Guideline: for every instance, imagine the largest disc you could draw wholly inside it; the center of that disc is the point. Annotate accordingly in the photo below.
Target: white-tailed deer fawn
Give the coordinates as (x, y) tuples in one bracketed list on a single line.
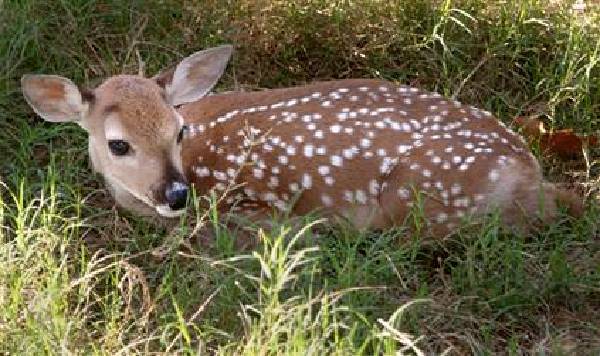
[(369, 150)]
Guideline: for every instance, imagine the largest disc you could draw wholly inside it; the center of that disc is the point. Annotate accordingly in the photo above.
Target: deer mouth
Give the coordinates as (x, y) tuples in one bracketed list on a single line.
[(171, 198), (166, 211), (163, 209)]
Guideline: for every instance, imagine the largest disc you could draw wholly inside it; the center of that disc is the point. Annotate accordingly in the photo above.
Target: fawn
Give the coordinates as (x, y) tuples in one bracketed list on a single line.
[(368, 150)]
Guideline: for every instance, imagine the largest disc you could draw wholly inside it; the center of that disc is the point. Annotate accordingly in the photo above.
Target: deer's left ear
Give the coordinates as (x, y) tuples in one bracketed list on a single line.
[(195, 75)]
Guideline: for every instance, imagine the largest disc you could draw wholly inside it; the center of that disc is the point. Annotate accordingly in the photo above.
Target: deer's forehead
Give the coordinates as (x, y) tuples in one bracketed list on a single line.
[(132, 85), (136, 105)]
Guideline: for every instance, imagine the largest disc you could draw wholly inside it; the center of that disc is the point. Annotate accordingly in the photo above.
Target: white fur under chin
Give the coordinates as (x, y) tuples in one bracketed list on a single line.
[(167, 212)]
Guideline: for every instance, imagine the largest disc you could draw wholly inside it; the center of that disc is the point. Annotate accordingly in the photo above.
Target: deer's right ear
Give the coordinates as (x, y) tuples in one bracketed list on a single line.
[(54, 98), (195, 76)]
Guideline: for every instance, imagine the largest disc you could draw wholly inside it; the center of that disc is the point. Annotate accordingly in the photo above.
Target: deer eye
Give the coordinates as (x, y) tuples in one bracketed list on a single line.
[(118, 147)]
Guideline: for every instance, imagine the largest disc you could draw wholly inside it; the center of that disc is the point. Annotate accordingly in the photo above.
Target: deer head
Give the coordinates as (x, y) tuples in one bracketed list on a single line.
[(133, 127)]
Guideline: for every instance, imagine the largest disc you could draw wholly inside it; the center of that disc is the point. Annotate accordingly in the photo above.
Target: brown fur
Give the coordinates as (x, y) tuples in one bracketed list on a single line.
[(369, 150), (53, 90), (148, 124), (133, 127), (520, 180), (142, 109)]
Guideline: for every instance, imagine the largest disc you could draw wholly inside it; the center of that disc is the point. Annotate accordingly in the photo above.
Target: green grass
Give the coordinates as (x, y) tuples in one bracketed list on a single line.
[(79, 276)]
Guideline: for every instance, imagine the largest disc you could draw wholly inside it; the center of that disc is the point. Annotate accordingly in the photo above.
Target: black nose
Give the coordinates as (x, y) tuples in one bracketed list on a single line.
[(176, 194)]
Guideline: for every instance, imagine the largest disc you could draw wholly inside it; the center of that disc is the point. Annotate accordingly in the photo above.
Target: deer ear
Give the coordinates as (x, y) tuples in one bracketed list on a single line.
[(54, 98), (195, 75)]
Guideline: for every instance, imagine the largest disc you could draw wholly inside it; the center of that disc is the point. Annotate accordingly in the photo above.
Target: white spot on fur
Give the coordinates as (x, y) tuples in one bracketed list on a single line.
[(494, 175), (202, 172), (361, 197), (336, 160), (306, 181), (327, 200), (403, 193), (324, 170)]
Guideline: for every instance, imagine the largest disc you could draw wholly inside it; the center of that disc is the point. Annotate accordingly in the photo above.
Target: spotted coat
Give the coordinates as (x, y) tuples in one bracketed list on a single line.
[(369, 150)]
